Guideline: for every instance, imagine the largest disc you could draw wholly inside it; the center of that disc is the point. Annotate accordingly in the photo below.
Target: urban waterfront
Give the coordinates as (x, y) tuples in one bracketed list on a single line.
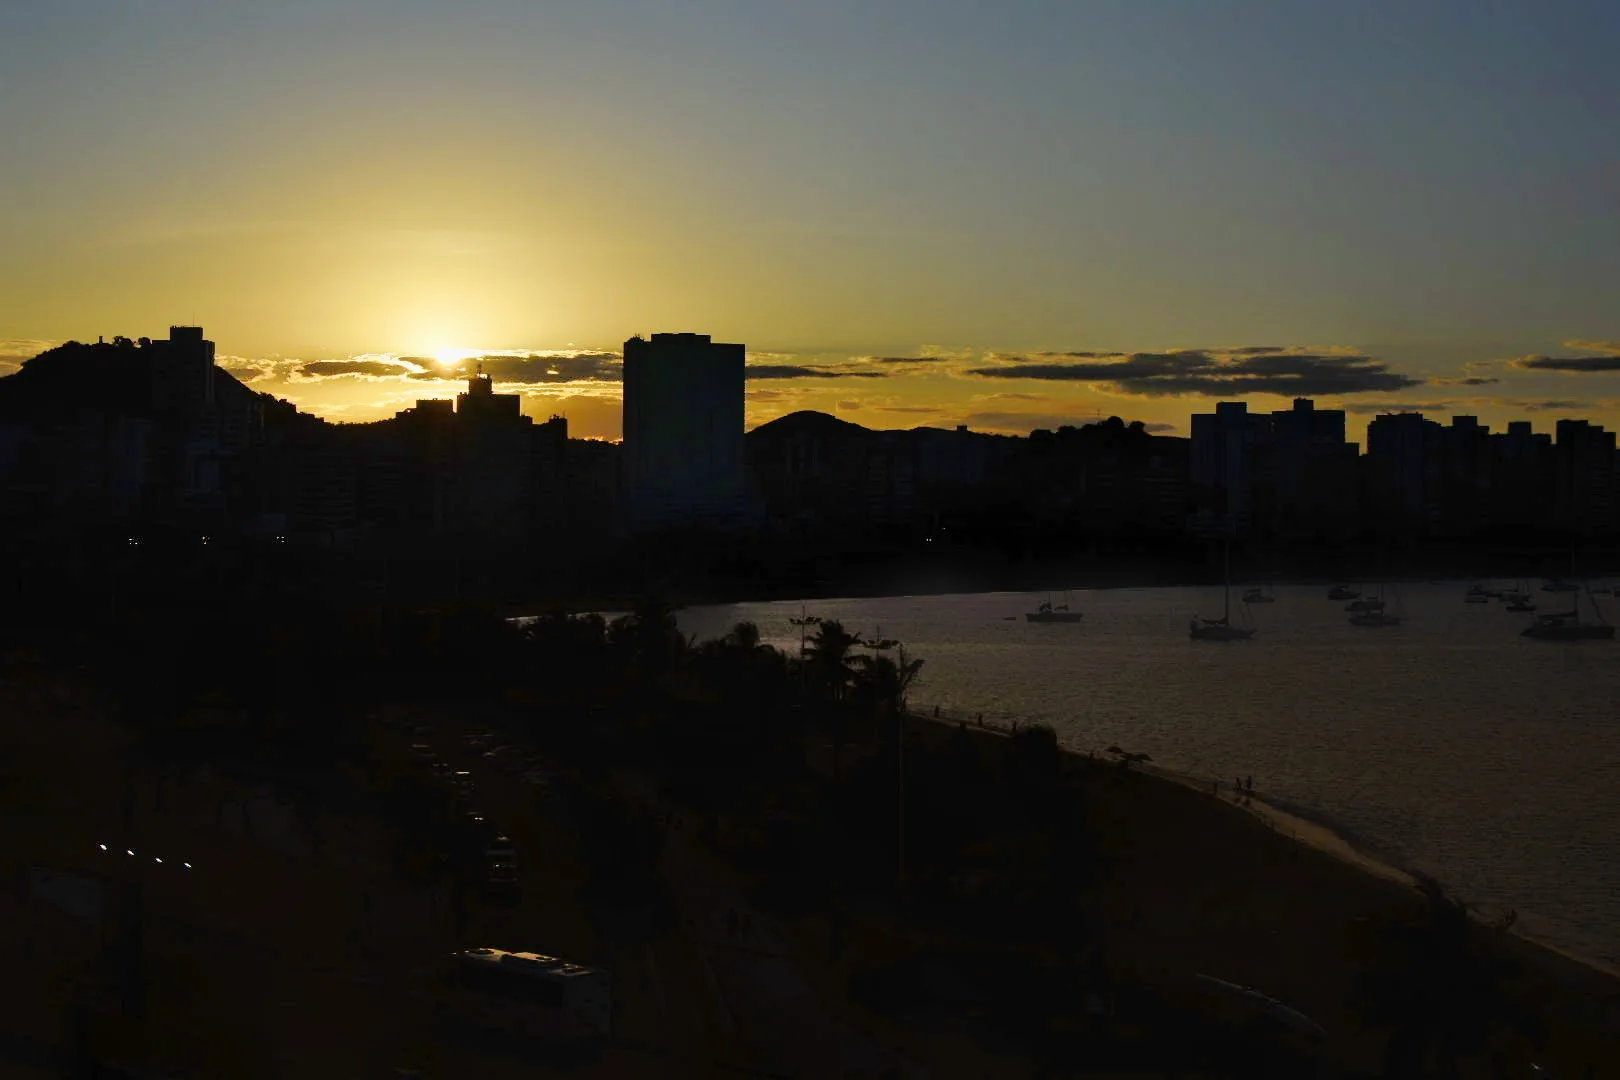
[(1449, 744)]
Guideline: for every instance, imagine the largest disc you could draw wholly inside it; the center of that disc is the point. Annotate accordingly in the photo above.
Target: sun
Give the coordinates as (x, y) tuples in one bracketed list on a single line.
[(449, 358)]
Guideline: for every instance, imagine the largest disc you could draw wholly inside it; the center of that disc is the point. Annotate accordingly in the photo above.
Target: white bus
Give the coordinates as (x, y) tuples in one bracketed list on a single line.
[(528, 994)]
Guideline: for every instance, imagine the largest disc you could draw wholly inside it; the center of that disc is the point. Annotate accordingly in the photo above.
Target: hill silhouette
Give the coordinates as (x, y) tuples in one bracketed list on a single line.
[(120, 377)]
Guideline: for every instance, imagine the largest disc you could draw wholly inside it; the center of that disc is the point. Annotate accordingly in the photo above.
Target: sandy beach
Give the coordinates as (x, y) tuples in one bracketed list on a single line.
[(1200, 883)]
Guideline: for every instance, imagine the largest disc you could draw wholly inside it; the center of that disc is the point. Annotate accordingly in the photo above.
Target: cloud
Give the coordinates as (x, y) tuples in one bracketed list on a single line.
[(327, 369), (1465, 380), (1247, 370), (1160, 428), (848, 406), (535, 367), (1011, 395), (907, 408), (1588, 345), (774, 393), (1368, 408), (1459, 405), (1582, 365), (24, 348), (906, 359), (800, 371)]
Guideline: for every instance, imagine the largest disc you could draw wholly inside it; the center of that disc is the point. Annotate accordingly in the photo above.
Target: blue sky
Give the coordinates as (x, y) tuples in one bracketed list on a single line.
[(1431, 185)]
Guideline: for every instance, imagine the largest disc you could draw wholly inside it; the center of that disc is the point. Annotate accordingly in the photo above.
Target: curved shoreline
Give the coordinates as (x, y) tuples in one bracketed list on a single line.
[(1309, 832)]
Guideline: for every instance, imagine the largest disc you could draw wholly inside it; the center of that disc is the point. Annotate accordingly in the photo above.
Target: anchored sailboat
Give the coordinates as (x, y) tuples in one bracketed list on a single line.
[(1221, 629), (1374, 614), (1567, 625)]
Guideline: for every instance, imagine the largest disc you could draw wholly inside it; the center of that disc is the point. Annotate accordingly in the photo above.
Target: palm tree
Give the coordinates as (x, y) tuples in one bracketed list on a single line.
[(883, 682), (651, 637), (831, 659), (1443, 989)]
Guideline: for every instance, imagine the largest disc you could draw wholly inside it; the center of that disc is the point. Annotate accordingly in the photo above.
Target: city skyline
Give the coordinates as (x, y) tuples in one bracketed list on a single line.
[(916, 390), (331, 188)]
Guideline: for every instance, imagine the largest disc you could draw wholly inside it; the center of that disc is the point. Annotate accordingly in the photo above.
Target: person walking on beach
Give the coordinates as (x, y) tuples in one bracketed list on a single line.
[(1248, 784)]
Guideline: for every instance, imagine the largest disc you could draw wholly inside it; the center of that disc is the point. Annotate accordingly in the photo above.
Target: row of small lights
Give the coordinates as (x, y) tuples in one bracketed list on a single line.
[(132, 854)]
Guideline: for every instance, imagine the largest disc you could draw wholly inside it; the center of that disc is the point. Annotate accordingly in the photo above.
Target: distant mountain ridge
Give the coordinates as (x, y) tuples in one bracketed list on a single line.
[(119, 377)]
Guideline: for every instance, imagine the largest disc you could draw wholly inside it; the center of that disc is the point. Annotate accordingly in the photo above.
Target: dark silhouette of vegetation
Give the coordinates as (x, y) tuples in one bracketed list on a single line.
[(803, 769), (1442, 989)]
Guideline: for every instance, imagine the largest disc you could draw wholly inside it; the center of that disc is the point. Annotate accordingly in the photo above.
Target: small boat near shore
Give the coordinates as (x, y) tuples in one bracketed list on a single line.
[(1048, 612), (1343, 592)]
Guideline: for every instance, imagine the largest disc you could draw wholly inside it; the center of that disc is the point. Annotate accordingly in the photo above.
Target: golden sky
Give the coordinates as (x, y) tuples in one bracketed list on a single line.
[(1004, 195)]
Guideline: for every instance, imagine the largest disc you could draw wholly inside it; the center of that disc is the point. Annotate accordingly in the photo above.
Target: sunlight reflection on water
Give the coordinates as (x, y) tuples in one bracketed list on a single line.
[(1448, 744)]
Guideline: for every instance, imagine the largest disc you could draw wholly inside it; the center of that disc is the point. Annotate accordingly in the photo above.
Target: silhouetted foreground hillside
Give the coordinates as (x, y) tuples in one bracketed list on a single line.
[(978, 900)]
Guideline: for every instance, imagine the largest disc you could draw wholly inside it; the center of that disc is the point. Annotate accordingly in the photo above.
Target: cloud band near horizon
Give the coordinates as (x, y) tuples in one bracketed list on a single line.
[(1256, 369)]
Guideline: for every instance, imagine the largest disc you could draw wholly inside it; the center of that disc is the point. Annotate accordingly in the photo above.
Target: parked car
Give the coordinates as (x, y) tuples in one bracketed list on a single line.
[(462, 781), (501, 880), (501, 849)]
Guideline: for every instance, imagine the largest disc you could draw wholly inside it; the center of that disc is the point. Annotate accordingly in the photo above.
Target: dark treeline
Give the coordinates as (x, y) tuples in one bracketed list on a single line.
[(803, 771)]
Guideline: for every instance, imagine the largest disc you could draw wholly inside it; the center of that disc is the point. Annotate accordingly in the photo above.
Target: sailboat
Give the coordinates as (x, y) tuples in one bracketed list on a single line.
[(1259, 595), (1374, 614), (1343, 592), (1048, 612), (1221, 629), (1567, 625), (1518, 599)]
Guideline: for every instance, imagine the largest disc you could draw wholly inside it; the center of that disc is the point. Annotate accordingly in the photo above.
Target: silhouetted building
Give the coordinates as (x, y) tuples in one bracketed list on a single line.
[(493, 462), (1314, 480), (1403, 473), (683, 433), (1585, 478), (1467, 469), (1223, 464)]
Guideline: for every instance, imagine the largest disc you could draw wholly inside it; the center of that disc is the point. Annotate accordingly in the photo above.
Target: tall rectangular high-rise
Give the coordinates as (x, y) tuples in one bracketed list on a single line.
[(683, 432)]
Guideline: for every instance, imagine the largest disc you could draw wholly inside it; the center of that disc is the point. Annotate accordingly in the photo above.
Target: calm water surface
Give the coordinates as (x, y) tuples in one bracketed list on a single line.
[(1448, 744)]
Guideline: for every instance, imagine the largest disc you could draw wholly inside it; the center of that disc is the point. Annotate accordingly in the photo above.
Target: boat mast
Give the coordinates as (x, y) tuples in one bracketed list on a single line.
[(1226, 592)]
